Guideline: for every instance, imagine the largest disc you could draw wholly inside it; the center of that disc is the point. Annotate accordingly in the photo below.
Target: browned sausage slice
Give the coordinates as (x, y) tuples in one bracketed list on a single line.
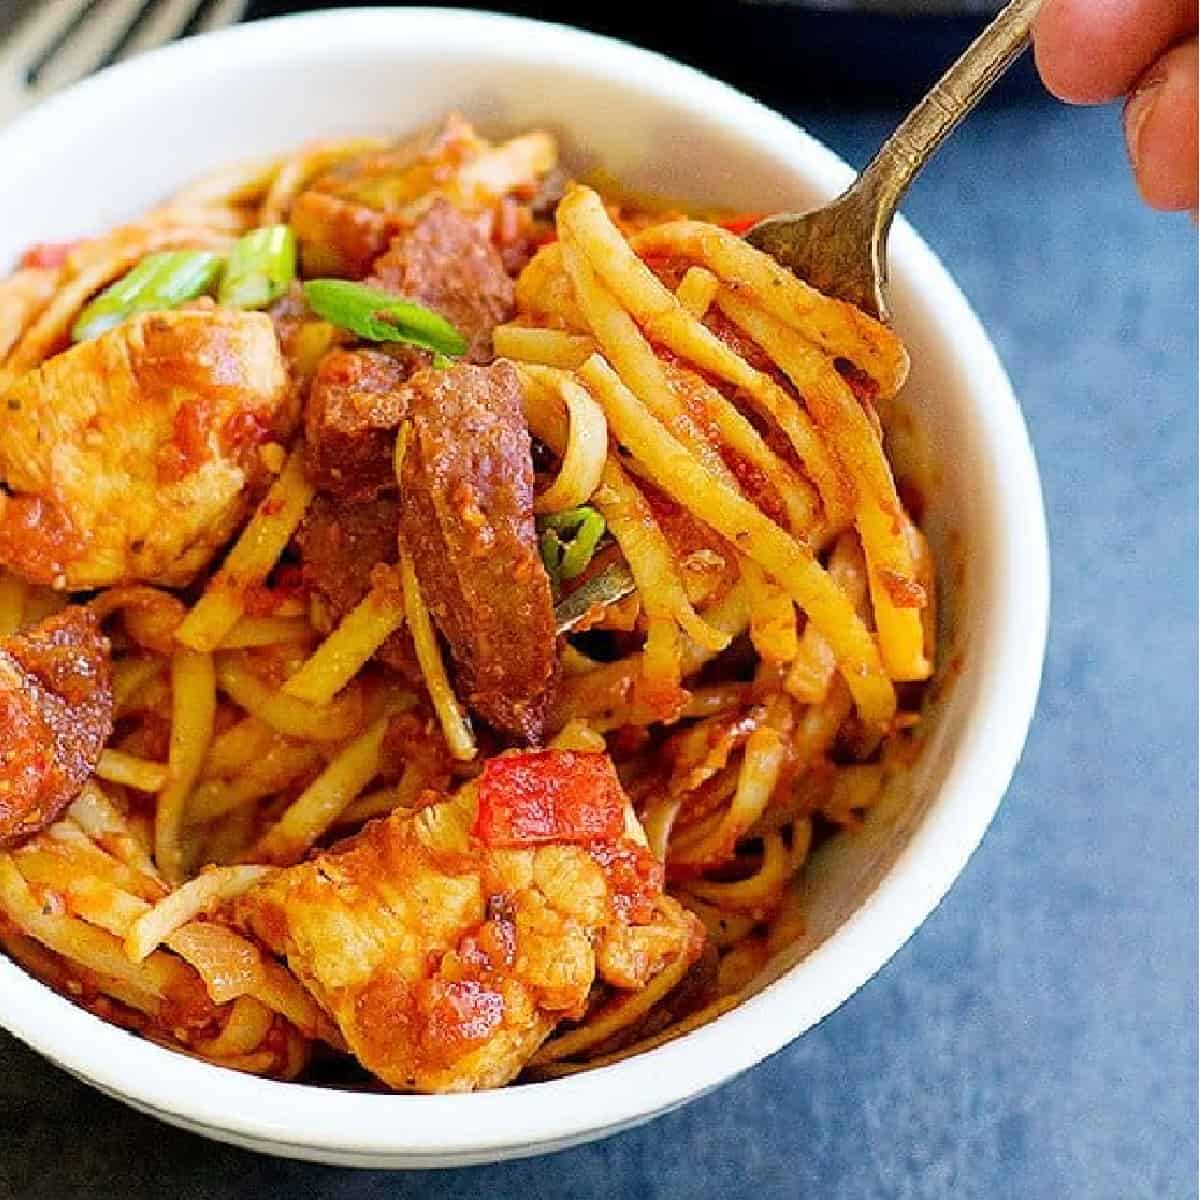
[(55, 716), (448, 263), (445, 262), (342, 543), (354, 409), (467, 518)]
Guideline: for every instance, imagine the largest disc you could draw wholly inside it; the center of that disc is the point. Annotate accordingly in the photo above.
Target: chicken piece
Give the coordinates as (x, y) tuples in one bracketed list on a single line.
[(55, 716), (341, 543), (354, 408), (128, 458), (446, 962), (467, 519), (447, 262)]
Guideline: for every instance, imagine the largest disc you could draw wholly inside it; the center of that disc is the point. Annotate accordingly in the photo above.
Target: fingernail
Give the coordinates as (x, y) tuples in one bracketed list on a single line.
[(1137, 109)]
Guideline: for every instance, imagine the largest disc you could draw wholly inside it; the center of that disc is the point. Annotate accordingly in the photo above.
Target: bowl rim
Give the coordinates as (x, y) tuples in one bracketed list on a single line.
[(268, 1113)]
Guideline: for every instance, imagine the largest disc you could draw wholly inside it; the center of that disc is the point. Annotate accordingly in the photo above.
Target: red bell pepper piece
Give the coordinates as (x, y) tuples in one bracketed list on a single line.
[(541, 796), (47, 254), (740, 223)]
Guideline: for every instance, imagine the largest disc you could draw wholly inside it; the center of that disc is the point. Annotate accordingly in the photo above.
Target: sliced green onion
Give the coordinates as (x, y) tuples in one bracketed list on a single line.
[(551, 550), (261, 266), (382, 317), (159, 281), (568, 541)]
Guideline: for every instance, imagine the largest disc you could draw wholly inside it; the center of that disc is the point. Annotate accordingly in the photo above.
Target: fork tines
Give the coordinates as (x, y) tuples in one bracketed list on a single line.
[(62, 41)]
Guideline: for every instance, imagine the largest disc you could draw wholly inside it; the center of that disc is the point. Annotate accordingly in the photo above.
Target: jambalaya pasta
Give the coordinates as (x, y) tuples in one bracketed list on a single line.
[(299, 773)]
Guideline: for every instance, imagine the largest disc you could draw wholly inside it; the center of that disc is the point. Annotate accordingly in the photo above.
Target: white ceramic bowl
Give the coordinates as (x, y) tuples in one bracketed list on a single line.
[(120, 141)]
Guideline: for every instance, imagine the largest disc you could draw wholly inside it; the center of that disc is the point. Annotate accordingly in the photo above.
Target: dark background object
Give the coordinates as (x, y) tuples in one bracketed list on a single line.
[(783, 53)]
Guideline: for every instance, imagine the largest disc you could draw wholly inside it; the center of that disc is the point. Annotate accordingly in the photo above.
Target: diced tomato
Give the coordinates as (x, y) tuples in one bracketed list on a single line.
[(541, 796), (47, 254), (245, 430), (38, 538), (188, 449), (457, 1016), (635, 879), (740, 223)]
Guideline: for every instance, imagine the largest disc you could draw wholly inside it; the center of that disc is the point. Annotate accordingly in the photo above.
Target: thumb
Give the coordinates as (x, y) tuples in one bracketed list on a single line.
[(1161, 129)]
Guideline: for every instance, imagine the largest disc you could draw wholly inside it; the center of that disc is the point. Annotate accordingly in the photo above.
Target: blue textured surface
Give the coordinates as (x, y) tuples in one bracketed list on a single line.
[(1037, 1038)]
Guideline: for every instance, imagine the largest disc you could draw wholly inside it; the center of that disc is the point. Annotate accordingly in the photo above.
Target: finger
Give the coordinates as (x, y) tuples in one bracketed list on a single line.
[(1092, 51), (1161, 129)]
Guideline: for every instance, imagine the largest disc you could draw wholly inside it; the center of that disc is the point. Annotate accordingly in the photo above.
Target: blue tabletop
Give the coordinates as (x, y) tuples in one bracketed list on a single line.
[(1037, 1037)]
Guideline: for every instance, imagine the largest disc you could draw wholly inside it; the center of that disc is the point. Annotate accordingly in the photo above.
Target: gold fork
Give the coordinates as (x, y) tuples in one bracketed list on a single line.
[(841, 249)]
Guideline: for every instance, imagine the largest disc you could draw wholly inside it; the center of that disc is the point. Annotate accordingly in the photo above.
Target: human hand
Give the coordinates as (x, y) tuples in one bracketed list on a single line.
[(1094, 51)]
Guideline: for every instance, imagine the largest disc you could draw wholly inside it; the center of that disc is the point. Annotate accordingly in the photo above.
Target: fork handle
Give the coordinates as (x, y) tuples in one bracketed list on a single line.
[(885, 180)]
